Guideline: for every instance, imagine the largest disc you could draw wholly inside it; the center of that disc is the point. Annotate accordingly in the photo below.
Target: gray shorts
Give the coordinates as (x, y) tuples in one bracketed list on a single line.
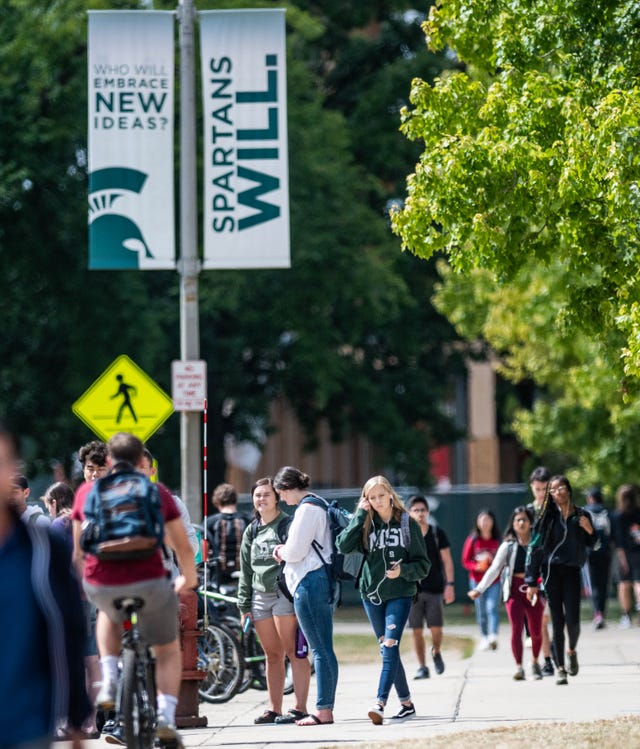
[(157, 619), (427, 607), (268, 605)]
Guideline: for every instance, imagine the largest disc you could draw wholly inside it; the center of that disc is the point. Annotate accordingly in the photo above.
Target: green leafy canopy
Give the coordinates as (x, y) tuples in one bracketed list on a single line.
[(528, 183)]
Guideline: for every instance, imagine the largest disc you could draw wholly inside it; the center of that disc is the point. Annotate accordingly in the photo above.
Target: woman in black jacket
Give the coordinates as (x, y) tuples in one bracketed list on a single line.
[(557, 553)]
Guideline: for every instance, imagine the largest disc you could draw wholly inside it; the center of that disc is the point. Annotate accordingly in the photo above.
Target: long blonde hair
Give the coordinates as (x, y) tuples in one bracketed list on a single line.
[(397, 505)]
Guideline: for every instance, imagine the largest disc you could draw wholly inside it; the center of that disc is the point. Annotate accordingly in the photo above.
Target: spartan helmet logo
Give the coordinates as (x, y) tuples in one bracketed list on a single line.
[(115, 241)]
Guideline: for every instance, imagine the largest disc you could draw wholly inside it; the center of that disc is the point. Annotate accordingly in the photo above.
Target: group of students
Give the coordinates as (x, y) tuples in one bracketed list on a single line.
[(286, 589), (552, 550)]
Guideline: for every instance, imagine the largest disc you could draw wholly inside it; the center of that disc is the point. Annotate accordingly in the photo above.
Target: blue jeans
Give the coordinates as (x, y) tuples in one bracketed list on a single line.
[(388, 621), (313, 607), (487, 608)]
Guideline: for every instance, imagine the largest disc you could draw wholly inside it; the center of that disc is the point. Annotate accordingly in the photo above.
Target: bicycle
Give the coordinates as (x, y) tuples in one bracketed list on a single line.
[(252, 654), (220, 657), (136, 702), (228, 675)]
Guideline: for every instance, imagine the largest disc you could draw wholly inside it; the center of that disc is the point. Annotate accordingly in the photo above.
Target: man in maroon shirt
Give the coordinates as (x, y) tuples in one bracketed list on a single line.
[(105, 581)]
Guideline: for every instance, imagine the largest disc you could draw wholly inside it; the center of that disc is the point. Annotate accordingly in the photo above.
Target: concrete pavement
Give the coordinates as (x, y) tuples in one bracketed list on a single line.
[(472, 694)]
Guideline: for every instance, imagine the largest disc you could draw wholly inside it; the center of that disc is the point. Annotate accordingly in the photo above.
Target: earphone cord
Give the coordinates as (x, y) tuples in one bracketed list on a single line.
[(374, 598)]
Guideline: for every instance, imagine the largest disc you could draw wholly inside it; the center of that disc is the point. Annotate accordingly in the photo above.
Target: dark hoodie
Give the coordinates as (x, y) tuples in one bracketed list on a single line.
[(56, 595), (564, 543)]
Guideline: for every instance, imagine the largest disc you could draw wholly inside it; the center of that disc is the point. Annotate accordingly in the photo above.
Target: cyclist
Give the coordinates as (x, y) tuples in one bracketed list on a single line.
[(107, 581)]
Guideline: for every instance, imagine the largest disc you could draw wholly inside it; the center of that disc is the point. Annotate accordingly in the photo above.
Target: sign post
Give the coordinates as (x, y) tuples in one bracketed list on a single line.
[(189, 264)]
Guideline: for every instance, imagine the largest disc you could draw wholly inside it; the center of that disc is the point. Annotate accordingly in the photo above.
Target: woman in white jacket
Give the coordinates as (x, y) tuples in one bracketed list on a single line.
[(307, 550), (510, 562)]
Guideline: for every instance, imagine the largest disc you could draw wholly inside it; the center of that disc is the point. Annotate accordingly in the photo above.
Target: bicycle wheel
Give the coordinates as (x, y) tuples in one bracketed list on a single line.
[(220, 657), (255, 675), (138, 710)]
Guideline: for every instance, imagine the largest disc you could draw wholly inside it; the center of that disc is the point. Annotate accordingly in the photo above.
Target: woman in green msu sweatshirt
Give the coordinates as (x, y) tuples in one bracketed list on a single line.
[(395, 560), (260, 598)]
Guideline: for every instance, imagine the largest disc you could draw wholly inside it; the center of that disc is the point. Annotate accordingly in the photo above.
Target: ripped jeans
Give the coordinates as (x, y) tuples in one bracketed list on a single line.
[(388, 621)]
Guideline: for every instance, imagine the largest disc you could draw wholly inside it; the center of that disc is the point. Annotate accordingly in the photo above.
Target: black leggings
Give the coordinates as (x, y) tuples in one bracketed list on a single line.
[(563, 592), (599, 566)]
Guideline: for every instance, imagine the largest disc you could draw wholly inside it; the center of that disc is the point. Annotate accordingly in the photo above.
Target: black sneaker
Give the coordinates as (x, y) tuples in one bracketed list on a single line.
[(422, 673), (573, 664), (438, 663), (406, 711), (547, 669)]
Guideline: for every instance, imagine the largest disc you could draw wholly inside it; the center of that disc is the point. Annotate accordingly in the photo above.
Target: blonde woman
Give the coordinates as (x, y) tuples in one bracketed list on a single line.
[(396, 559)]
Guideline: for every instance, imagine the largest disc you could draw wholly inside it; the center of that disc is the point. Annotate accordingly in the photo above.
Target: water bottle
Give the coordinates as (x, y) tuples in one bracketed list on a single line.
[(302, 646)]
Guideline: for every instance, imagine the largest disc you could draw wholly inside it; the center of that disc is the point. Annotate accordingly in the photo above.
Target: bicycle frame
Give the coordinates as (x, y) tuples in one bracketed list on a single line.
[(136, 702), (253, 656)]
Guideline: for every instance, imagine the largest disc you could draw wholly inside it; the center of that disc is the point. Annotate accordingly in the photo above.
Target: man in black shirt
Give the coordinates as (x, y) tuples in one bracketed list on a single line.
[(224, 533), (438, 584)]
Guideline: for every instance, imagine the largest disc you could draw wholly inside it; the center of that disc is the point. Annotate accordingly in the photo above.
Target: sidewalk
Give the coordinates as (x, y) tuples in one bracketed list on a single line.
[(472, 694)]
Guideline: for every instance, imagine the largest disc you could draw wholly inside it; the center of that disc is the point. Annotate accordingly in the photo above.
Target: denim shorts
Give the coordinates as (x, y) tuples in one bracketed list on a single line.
[(268, 605), (157, 619)]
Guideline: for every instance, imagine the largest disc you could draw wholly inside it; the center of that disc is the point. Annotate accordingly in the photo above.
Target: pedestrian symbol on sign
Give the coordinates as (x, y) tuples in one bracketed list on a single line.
[(123, 390)]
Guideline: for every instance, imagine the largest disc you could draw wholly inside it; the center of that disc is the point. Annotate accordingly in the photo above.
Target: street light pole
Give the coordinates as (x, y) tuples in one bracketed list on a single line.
[(189, 264)]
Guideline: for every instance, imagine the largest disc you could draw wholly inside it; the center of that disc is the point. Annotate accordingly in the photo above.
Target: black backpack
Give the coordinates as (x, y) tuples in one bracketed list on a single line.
[(341, 566), (123, 518), (225, 536)]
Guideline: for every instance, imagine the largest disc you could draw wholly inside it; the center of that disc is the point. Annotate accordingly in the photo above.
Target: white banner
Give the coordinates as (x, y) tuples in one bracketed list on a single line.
[(131, 177), (246, 171)]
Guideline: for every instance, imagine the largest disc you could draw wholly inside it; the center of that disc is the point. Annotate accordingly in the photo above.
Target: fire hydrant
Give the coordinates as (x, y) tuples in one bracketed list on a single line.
[(187, 712)]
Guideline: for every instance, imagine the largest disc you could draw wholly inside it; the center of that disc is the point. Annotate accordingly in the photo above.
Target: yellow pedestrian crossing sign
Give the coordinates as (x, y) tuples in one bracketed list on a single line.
[(124, 399)]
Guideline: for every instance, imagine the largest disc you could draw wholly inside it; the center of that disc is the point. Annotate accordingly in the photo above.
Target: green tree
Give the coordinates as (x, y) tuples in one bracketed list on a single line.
[(340, 334), (528, 184)]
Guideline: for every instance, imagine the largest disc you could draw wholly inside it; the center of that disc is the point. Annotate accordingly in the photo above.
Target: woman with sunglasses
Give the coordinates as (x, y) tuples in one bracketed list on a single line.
[(562, 534), (510, 561)]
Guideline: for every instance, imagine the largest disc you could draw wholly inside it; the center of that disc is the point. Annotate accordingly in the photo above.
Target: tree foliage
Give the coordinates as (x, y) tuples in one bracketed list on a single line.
[(528, 183), (346, 334)]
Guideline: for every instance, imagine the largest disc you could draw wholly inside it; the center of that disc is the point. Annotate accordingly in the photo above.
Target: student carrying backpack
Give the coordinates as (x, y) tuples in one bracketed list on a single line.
[(341, 566), (224, 533), (123, 517), (310, 585), (392, 568)]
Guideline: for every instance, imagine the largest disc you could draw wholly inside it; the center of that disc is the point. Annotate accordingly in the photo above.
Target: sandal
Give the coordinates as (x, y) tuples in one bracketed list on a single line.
[(313, 720), (291, 717), (268, 716)]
